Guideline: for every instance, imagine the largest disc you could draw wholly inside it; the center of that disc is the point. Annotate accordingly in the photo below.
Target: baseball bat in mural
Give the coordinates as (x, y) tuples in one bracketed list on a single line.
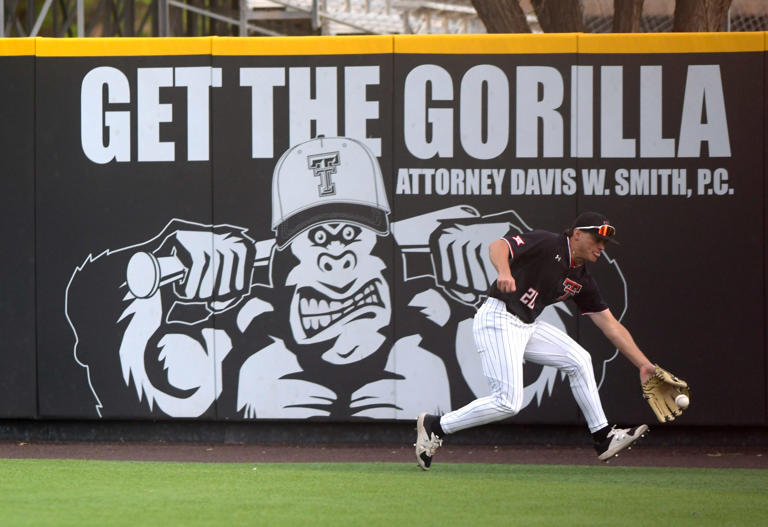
[(146, 273)]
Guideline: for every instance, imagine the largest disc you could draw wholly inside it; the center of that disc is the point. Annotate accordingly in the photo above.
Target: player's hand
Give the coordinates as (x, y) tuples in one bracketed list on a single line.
[(506, 283), (646, 372), (460, 253), (218, 263), (666, 394)]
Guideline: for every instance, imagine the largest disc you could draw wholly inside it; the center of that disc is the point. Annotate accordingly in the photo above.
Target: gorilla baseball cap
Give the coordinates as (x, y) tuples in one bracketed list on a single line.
[(597, 224), (327, 179)]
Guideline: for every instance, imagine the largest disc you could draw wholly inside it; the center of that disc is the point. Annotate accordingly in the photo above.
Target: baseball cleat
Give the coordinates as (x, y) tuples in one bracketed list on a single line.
[(619, 439), (426, 443)]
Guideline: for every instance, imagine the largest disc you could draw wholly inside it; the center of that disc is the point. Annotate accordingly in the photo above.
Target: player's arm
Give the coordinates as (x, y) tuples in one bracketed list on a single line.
[(622, 339), (499, 254)]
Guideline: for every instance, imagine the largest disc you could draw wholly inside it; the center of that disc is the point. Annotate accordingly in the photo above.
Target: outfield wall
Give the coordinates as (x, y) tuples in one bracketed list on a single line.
[(338, 282)]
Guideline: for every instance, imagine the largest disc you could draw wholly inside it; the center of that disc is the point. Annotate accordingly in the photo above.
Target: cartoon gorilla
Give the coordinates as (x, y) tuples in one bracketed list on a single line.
[(203, 321)]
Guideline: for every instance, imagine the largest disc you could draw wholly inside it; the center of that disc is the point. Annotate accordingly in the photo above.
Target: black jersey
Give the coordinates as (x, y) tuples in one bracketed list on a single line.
[(541, 265)]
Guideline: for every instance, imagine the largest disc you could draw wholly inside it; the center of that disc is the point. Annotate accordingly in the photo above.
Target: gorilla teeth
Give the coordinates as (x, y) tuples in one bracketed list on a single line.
[(317, 315)]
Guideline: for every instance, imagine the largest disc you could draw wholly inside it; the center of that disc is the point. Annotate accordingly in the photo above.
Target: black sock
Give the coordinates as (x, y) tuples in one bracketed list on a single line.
[(600, 435), (432, 424)]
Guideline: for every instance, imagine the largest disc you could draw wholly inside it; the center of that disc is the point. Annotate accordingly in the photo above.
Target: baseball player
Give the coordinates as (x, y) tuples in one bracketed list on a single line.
[(536, 269)]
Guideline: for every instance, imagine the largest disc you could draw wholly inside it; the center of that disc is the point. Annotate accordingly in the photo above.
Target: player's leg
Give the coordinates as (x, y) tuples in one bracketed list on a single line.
[(500, 339), (550, 346)]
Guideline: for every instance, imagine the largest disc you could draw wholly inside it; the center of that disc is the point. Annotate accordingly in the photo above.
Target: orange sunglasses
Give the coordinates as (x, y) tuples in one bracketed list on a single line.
[(606, 231)]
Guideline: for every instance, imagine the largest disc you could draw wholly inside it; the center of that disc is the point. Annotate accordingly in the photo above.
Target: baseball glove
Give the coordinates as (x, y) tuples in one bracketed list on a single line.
[(660, 392)]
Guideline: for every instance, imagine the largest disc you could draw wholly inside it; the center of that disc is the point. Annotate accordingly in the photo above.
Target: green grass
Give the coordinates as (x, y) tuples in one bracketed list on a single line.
[(68, 492)]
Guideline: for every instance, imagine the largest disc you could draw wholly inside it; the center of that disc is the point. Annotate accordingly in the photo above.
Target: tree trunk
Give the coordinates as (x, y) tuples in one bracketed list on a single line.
[(501, 16), (560, 16), (627, 15), (700, 15)]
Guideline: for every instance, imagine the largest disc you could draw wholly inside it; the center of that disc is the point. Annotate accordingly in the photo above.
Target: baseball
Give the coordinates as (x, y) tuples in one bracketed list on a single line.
[(682, 401)]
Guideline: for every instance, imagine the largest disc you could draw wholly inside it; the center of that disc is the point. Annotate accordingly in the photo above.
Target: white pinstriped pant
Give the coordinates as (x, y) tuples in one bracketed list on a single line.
[(504, 341)]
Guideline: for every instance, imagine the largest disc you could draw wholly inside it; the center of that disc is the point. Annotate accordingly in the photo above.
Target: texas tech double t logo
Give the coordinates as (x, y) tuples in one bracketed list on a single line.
[(324, 166)]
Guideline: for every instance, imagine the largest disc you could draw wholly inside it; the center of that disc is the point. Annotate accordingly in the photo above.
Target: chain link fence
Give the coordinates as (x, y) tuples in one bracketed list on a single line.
[(328, 17), (658, 16)]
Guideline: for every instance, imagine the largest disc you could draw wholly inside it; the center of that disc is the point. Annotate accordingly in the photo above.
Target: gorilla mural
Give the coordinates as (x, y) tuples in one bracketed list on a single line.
[(317, 322)]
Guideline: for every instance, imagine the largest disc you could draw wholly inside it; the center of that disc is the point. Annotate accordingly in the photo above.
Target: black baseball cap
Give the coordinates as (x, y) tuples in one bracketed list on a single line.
[(597, 224)]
